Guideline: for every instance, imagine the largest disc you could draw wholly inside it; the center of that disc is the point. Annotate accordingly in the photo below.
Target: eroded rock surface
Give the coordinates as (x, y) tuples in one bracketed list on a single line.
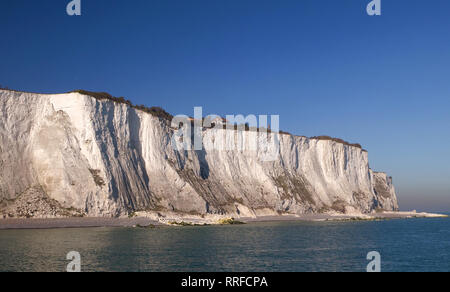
[(104, 158)]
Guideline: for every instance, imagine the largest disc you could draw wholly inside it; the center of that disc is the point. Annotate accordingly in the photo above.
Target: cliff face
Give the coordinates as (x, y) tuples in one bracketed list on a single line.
[(108, 159)]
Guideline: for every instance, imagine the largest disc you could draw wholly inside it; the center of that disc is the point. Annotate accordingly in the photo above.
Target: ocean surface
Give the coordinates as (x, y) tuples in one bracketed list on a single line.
[(404, 245)]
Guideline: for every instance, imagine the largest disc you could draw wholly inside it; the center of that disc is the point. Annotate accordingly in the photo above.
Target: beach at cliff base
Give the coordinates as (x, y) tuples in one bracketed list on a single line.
[(149, 222)]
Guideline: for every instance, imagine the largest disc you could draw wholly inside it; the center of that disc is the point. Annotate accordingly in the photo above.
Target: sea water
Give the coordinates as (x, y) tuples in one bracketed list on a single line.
[(404, 245)]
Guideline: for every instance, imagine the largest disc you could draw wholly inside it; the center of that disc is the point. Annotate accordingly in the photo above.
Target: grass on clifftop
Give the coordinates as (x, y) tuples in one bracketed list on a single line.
[(328, 138), (154, 111), (161, 113)]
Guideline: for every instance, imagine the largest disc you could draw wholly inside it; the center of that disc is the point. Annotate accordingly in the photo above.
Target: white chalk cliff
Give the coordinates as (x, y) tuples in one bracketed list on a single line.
[(104, 158)]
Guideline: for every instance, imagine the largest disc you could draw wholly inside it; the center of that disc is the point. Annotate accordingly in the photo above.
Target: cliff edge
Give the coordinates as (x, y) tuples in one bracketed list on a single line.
[(76, 155)]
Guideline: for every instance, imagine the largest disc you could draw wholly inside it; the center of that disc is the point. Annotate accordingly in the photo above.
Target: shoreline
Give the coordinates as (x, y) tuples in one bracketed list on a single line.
[(92, 222), (62, 223)]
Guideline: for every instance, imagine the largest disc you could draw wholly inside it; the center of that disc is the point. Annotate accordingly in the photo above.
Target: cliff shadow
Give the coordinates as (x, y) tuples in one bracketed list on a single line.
[(135, 144)]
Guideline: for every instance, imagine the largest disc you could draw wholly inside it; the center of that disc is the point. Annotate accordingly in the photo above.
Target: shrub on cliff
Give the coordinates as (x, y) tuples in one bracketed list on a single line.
[(328, 138), (154, 111)]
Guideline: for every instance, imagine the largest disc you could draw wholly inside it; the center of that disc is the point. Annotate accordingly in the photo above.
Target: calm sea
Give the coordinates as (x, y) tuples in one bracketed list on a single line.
[(404, 245)]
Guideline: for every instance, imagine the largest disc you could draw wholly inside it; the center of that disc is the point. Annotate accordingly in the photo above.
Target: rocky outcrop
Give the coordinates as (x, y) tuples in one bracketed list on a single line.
[(34, 203), (105, 158)]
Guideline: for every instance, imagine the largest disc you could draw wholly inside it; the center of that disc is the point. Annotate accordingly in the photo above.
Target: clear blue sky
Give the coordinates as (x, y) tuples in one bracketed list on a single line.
[(323, 65)]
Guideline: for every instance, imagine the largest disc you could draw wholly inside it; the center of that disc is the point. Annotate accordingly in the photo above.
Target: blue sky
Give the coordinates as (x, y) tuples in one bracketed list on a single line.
[(324, 66)]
